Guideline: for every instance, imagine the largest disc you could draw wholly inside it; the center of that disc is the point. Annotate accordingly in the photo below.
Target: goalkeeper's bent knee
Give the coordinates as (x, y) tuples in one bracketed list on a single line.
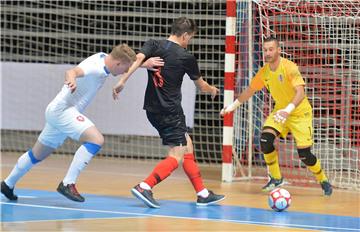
[(267, 142), (306, 156)]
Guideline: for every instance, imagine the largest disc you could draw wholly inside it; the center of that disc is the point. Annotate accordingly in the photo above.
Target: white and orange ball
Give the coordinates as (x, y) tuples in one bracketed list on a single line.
[(279, 199)]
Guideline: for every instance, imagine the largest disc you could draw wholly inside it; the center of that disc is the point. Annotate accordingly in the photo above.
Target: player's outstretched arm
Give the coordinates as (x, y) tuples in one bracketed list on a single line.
[(244, 96), (204, 87), (121, 83)]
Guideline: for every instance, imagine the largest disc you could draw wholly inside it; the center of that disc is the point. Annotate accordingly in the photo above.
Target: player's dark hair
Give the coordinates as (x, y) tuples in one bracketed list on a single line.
[(272, 39), (182, 25)]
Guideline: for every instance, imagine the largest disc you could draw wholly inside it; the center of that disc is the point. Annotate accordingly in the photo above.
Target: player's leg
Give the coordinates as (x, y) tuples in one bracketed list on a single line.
[(49, 139), (314, 165), (270, 132), (205, 197), (79, 128), (162, 170), (301, 128), (172, 130)]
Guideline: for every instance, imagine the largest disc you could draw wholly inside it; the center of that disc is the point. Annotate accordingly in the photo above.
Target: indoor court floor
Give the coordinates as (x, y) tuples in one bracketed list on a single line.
[(109, 205)]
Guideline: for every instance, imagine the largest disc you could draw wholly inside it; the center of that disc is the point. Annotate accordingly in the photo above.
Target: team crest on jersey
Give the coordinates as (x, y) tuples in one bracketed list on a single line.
[(281, 79), (80, 118)]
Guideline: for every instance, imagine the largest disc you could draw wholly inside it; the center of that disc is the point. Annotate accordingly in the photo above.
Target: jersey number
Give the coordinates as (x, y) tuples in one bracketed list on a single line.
[(158, 79)]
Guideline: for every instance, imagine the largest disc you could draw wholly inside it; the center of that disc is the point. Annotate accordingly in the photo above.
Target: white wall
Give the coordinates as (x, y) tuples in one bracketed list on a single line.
[(27, 88)]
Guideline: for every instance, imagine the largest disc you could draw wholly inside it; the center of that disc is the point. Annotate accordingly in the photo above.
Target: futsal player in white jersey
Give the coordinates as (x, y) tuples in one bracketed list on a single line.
[(65, 118)]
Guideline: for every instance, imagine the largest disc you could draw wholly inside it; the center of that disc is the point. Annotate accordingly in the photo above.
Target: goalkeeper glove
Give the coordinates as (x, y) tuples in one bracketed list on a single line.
[(281, 115), (230, 108)]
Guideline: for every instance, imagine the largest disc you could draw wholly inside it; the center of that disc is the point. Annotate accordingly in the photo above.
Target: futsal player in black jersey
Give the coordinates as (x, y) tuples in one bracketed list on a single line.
[(164, 111)]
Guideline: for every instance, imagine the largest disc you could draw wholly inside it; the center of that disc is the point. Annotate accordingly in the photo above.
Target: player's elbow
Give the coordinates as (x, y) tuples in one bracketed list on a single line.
[(140, 57)]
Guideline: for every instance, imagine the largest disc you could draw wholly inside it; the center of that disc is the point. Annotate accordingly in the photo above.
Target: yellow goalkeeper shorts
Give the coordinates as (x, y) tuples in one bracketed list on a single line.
[(300, 127)]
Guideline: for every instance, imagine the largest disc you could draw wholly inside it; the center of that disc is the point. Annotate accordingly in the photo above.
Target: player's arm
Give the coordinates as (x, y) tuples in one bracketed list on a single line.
[(243, 97), (121, 83), (283, 114), (153, 63), (255, 85), (70, 77), (204, 87), (298, 84)]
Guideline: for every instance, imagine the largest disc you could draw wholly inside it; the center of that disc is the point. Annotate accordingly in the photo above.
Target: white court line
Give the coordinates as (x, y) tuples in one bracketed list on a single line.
[(21, 196), (181, 217), (77, 219)]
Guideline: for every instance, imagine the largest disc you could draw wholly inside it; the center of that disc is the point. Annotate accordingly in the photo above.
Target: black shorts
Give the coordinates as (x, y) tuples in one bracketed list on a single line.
[(171, 127)]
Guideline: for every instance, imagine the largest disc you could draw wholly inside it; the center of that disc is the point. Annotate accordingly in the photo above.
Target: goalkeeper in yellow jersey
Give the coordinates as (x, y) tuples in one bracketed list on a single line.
[(292, 112)]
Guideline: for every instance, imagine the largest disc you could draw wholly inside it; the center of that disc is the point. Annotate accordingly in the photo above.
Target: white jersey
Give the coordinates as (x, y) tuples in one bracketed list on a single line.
[(63, 115), (95, 74)]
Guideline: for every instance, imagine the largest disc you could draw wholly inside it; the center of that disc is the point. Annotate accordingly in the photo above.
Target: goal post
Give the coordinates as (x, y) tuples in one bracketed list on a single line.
[(322, 37)]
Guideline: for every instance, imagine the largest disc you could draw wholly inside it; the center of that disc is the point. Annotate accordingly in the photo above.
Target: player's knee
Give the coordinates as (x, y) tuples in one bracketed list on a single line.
[(100, 139), (306, 156), (189, 156), (92, 148), (32, 157), (267, 142)]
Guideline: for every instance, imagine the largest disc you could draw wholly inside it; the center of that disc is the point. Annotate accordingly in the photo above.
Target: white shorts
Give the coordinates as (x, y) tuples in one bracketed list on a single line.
[(63, 123)]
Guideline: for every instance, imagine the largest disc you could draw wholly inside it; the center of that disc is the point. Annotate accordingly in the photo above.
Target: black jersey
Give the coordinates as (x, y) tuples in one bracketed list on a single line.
[(163, 91)]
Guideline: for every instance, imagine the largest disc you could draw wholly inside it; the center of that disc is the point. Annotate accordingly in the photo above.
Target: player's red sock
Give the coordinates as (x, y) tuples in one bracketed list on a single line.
[(193, 172), (161, 171)]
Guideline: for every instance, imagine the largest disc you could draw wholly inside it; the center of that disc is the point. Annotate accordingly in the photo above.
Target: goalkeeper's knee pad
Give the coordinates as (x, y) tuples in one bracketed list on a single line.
[(267, 142), (306, 156)]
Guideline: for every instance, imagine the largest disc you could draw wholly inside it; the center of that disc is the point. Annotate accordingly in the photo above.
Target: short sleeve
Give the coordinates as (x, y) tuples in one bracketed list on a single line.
[(87, 66), (257, 83), (191, 67)]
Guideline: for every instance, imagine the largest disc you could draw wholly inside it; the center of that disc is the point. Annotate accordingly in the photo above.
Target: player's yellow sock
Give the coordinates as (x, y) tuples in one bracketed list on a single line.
[(317, 171), (272, 162)]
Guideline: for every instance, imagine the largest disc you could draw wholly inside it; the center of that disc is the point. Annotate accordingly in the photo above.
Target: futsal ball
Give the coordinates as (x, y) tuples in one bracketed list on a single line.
[(279, 199)]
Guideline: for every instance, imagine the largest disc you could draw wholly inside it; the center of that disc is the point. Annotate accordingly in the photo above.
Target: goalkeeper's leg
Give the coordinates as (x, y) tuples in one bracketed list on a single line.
[(314, 165)]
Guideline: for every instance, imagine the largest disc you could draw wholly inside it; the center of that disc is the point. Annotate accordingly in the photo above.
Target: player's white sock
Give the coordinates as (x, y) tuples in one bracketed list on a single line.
[(22, 166), (81, 159), (203, 193), (145, 186)]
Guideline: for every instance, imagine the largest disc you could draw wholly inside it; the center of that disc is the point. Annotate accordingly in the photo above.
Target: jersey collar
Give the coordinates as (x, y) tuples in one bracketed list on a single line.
[(106, 70)]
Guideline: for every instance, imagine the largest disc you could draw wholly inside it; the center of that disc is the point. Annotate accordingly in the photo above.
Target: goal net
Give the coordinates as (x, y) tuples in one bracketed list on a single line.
[(51, 36), (323, 38)]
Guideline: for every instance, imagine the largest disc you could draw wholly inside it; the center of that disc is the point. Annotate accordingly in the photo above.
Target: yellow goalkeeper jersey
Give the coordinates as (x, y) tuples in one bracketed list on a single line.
[(280, 83)]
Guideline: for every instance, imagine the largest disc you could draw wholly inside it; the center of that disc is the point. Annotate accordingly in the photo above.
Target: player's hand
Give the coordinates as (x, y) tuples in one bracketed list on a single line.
[(117, 89), (71, 83), (224, 111), (153, 63), (214, 92), (230, 108), (281, 115)]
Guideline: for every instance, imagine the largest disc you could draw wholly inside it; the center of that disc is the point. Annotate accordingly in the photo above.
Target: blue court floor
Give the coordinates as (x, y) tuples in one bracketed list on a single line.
[(36, 205)]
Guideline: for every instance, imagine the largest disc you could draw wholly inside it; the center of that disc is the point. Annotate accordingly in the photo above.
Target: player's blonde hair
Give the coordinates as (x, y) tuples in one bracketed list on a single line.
[(124, 53)]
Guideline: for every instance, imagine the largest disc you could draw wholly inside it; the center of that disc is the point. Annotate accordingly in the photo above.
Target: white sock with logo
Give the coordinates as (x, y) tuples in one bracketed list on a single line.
[(81, 159), (22, 166)]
